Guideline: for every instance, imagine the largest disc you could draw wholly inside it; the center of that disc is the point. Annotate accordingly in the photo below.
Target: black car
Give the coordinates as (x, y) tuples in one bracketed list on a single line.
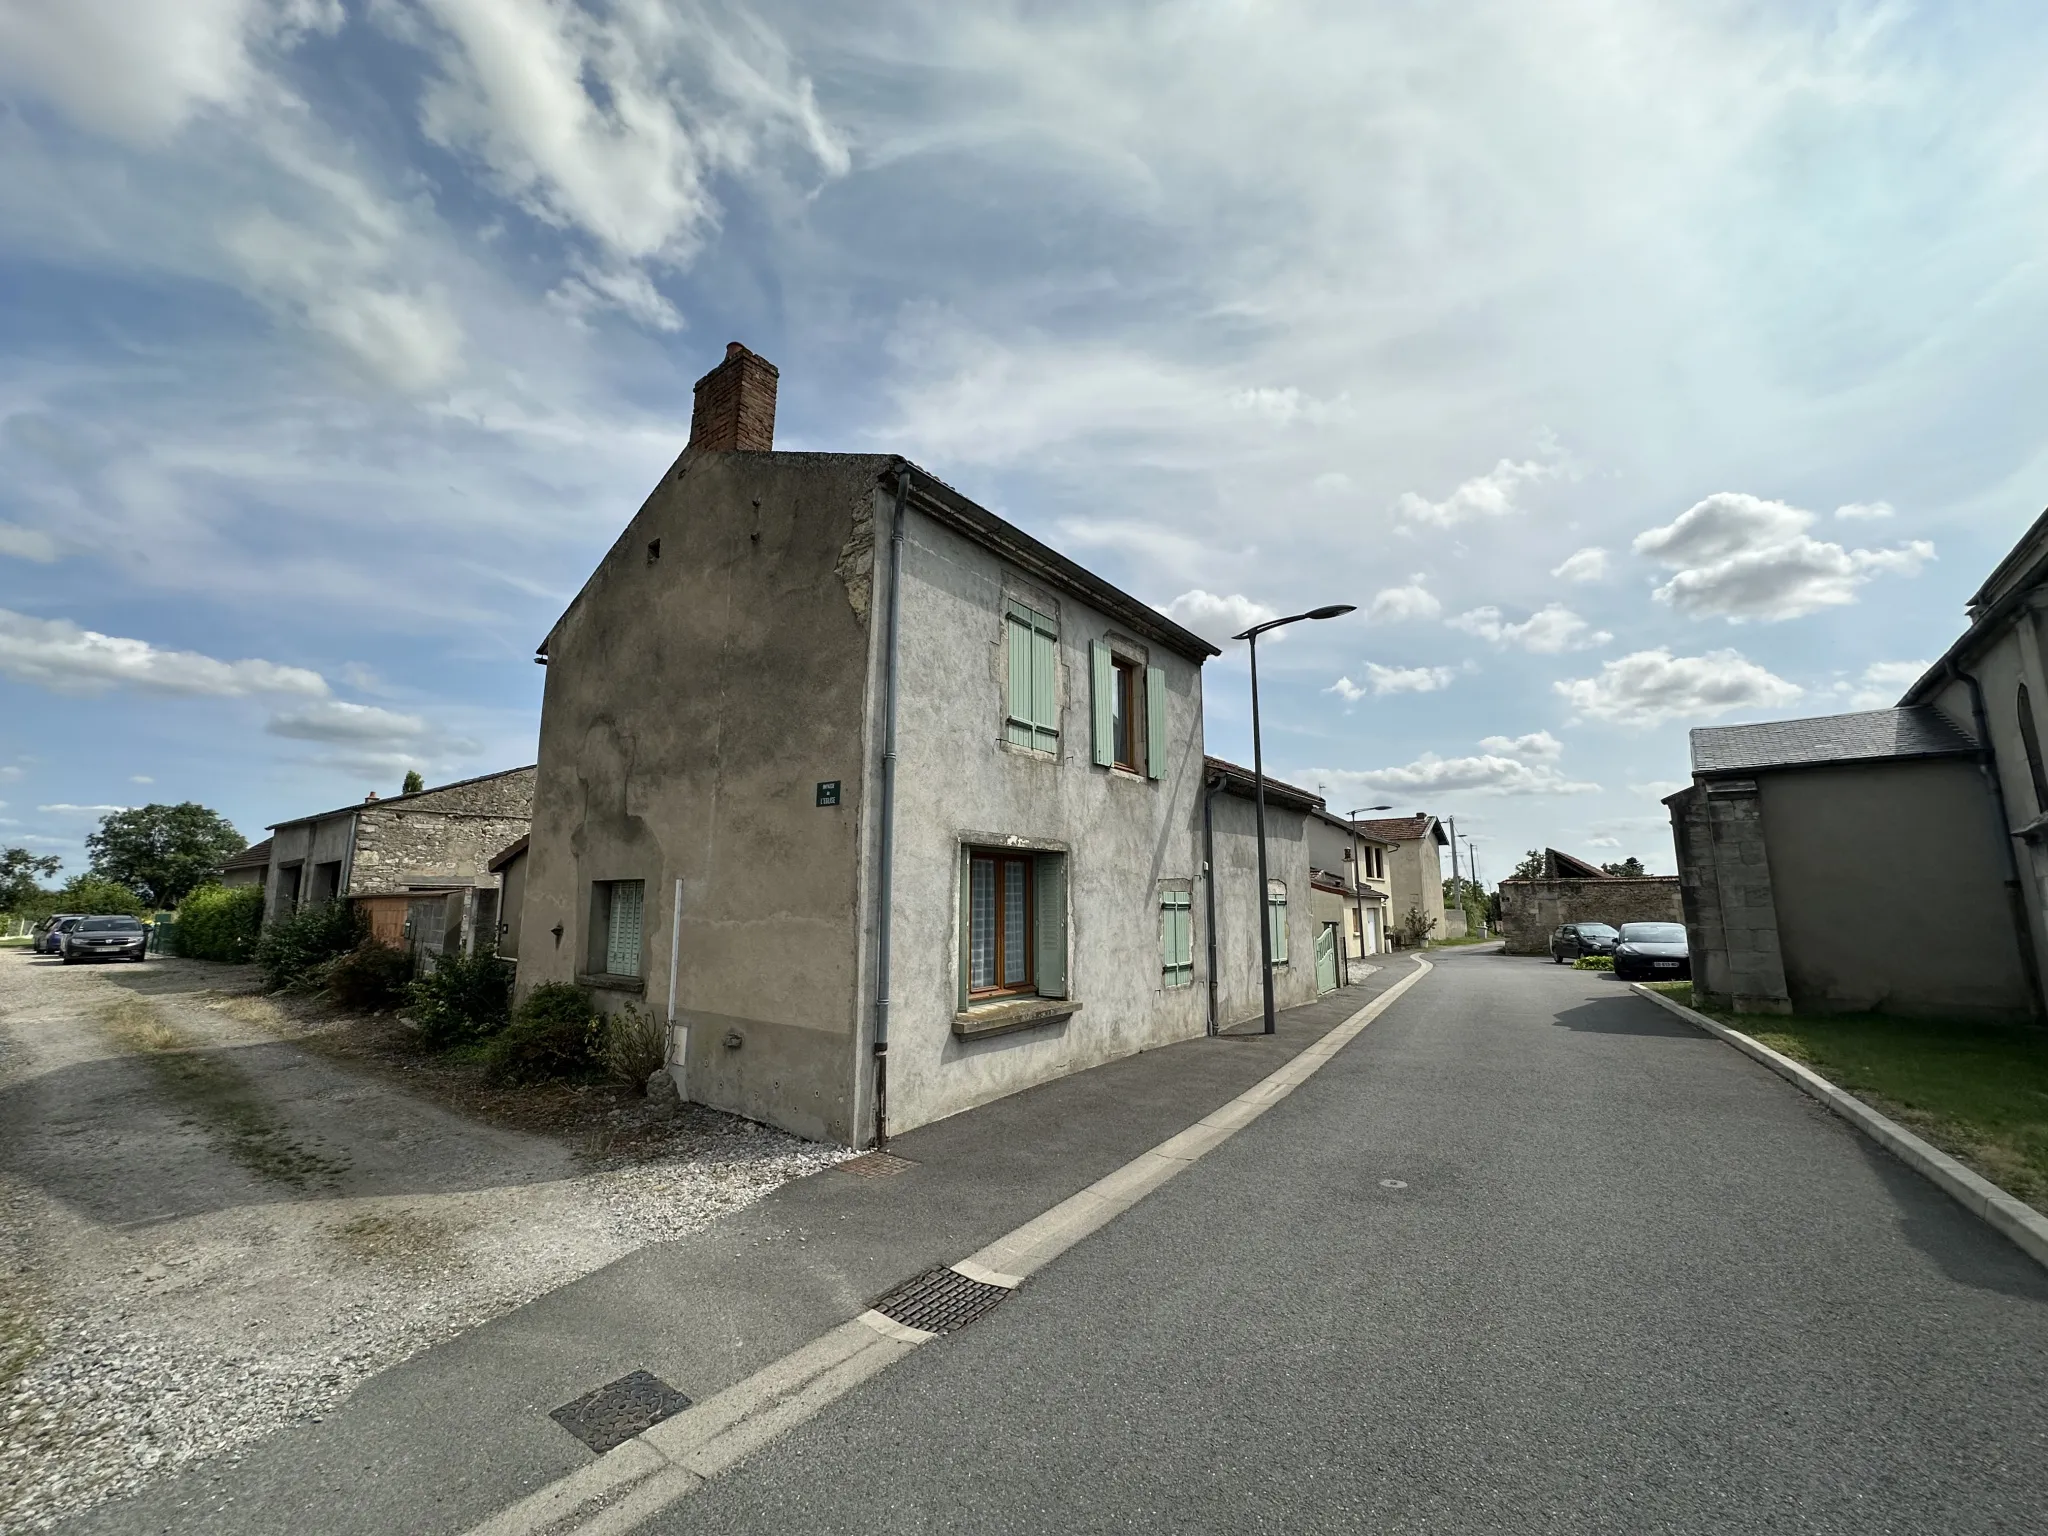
[(1576, 939), (106, 938), (1652, 952)]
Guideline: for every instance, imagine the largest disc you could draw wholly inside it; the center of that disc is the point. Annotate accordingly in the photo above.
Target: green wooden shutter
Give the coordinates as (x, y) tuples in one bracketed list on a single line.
[(1276, 918), (1021, 715), (1049, 880), (1155, 722), (1045, 714), (1104, 669)]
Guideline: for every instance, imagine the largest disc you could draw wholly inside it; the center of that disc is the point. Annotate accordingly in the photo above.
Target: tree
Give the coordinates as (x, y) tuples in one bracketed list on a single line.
[(413, 782), (162, 851), (1628, 866), (20, 872), (1531, 867), (95, 895)]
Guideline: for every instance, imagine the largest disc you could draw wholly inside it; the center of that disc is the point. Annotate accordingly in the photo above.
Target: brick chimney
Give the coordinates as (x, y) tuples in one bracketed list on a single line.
[(735, 406), (370, 798)]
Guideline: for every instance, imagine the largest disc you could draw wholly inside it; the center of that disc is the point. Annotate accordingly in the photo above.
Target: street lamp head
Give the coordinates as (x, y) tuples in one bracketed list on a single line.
[(1330, 611), (1333, 611)]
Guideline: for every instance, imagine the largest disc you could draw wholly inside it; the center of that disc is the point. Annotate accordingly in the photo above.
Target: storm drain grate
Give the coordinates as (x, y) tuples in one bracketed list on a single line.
[(876, 1165), (619, 1410), (939, 1301)]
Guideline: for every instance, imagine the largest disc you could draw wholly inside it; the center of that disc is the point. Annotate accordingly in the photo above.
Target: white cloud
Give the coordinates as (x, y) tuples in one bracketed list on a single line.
[(1540, 745), (1882, 682), (1429, 774), (1217, 618), (1648, 687), (1585, 565), (1742, 557), (334, 721), (1864, 511), (61, 809), (1548, 631), (1603, 842), (1383, 680), (1396, 605), (1657, 789), (27, 544), (140, 778), (58, 654), (1489, 495)]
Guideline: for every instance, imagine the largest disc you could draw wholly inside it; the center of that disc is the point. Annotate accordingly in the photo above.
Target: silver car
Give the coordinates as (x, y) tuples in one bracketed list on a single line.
[(106, 938)]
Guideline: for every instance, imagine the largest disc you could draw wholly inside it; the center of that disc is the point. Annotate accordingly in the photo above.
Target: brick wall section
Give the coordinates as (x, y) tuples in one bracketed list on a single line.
[(735, 405), (1530, 909), (1731, 914), (449, 834)]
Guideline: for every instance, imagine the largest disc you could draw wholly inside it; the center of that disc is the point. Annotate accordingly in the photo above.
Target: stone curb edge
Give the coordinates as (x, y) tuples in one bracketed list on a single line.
[(2018, 1221)]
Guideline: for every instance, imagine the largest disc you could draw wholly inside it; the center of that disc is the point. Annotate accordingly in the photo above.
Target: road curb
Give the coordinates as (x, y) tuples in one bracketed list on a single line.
[(2018, 1221)]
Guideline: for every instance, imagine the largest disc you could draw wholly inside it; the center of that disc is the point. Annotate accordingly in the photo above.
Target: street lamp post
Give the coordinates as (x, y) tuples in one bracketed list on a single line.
[(1357, 877), (1251, 637)]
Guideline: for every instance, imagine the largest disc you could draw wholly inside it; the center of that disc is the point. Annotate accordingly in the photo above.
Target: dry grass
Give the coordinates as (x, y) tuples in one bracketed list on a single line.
[(409, 1239)]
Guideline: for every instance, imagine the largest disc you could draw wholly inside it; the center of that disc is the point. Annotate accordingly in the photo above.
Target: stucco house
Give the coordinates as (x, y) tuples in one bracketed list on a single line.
[(1792, 837), (249, 867), (1415, 869), (892, 808), (1228, 921), (418, 864), (1571, 890), (1352, 887)]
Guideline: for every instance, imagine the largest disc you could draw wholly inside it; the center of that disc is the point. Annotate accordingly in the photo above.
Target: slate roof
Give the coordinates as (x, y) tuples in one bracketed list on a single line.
[(1919, 730)]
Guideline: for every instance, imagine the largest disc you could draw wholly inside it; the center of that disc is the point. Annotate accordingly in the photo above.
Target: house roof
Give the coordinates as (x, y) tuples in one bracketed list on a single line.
[(431, 789), (1354, 828), (1914, 731), (255, 856), (1241, 781), (1562, 866), (1405, 829), (509, 854)]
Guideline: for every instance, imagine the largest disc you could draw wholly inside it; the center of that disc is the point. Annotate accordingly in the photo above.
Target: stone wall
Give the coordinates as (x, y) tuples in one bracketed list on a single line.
[(1731, 913), (448, 834), (1531, 909)]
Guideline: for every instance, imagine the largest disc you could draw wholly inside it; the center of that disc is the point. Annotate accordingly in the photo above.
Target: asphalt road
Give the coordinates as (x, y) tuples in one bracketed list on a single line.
[(1530, 1255)]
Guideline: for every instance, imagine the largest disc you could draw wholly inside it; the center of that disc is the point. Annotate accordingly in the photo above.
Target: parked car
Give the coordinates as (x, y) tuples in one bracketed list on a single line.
[(106, 938), (1652, 952), (1576, 939), (49, 938)]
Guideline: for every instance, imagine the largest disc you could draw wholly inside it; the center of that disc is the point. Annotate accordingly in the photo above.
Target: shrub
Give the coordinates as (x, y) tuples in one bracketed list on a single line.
[(1416, 928), (634, 1045), (293, 951), (554, 1033), (1593, 963), (463, 998), (370, 977), (220, 922)]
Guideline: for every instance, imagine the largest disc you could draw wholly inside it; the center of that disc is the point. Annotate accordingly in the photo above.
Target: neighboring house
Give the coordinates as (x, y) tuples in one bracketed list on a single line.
[(714, 783), (417, 864), (1228, 898), (510, 868), (1352, 887), (249, 867), (1415, 871), (1573, 891)]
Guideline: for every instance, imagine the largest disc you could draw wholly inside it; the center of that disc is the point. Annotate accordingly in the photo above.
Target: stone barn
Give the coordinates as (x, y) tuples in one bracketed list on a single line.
[(1572, 891)]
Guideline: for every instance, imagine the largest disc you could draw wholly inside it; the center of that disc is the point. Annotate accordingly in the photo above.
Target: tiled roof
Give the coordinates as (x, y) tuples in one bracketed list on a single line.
[(1919, 730), (1402, 829), (1241, 781), (255, 856)]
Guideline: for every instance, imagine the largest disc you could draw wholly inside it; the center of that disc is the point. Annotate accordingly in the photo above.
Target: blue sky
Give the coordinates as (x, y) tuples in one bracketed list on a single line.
[(1633, 366)]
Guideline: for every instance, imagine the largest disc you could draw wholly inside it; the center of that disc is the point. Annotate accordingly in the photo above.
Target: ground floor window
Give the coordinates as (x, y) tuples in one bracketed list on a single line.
[(1177, 937), (1276, 918), (615, 926), (1013, 924)]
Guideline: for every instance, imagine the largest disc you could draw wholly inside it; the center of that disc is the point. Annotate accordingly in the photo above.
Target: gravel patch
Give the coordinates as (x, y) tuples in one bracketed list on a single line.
[(164, 1300)]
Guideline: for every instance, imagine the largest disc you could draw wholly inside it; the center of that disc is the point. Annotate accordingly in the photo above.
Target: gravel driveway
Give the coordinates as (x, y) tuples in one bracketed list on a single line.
[(207, 1232)]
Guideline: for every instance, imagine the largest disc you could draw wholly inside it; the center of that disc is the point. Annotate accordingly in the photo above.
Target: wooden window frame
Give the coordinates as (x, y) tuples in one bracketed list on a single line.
[(1028, 987), (1127, 749)]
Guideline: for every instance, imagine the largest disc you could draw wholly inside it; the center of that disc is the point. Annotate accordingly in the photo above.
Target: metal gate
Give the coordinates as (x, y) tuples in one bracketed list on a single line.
[(1326, 957)]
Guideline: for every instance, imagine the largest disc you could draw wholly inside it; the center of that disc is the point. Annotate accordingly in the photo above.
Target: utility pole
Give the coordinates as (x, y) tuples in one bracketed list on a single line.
[(1457, 888)]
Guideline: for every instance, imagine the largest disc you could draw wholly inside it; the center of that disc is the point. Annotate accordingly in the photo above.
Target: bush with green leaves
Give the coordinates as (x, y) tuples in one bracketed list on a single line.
[(1593, 963), (220, 922), (555, 1032), (293, 952), (462, 999), (369, 978)]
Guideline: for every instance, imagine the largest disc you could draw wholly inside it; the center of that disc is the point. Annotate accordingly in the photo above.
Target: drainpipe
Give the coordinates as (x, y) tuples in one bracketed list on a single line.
[(885, 857), (2016, 901), (1212, 786)]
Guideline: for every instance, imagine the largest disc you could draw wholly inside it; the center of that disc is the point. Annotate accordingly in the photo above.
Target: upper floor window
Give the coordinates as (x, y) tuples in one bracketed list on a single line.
[(1130, 713), (1032, 719)]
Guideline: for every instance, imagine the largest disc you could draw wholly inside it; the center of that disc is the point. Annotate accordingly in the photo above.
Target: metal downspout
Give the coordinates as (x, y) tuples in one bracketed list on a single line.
[(2015, 897), (886, 855), (1212, 786)]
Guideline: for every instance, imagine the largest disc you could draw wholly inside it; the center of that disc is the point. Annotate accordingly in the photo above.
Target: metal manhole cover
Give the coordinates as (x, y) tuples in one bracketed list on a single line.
[(939, 1301), (876, 1165), (619, 1410)]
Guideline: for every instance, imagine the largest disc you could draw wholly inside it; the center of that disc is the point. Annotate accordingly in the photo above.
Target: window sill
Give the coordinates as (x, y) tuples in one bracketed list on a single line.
[(605, 982), (986, 1019)]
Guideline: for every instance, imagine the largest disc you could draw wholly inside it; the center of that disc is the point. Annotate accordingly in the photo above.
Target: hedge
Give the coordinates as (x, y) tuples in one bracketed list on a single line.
[(220, 922)]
